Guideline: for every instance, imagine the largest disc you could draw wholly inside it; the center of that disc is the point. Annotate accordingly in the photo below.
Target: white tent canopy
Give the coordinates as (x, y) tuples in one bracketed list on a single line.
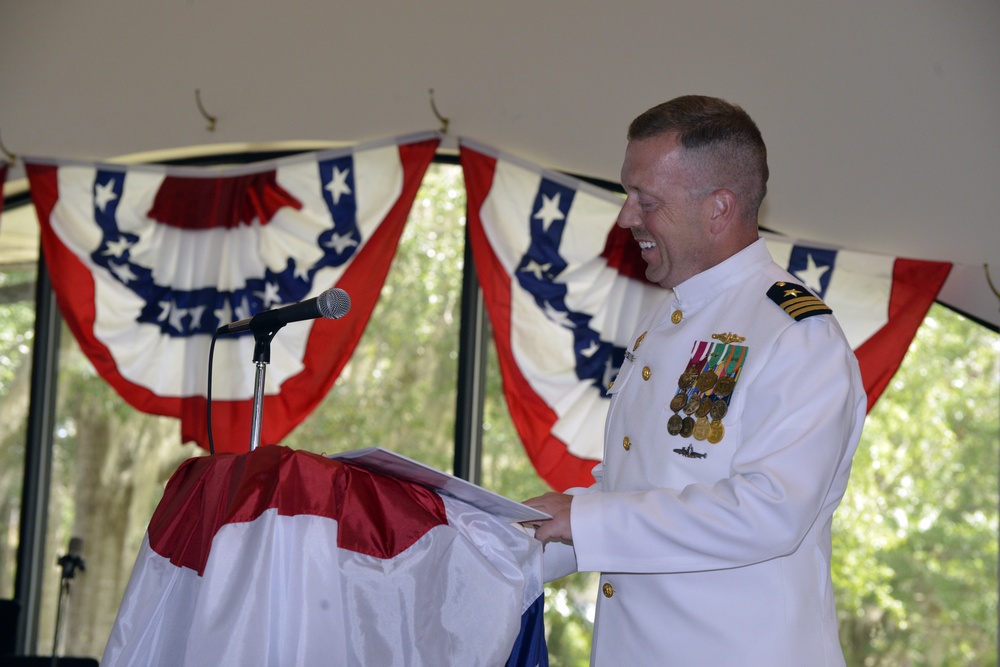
[(881, 118)]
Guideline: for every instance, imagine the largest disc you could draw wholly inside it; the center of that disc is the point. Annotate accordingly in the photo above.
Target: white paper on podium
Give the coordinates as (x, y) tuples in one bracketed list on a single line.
[(390, 463)]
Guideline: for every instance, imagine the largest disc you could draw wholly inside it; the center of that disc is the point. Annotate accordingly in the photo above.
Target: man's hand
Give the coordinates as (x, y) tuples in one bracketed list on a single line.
[(558, 528)]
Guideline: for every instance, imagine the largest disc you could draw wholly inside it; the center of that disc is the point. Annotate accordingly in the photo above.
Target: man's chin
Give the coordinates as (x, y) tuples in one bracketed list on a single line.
[(653, 274)]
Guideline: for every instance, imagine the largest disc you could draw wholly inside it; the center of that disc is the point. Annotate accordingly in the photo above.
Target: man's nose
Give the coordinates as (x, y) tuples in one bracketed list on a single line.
[(627, 217)]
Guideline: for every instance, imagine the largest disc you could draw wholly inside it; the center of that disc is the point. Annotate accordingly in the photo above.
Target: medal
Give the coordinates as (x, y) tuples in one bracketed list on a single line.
[(719, 409), (687, 427), (674, 424), (731, 370), (724, 387), (704, 406), (687, 378), (701, 429), (692, 404), (678, 402), (716, 431), (706, 381)]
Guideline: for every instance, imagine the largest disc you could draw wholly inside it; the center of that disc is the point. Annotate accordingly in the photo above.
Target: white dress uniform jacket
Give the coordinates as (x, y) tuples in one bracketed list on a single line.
[(718, 553)]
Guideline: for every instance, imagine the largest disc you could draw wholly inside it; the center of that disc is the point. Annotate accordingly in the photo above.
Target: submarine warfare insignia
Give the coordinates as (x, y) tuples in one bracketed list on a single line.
[(688, 452), (705, 388), (797, 301)]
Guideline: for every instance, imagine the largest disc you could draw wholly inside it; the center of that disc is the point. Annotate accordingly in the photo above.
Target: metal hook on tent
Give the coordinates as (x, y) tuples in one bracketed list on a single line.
[(437, 114), (10, 156), (210, 118), (986, 267)]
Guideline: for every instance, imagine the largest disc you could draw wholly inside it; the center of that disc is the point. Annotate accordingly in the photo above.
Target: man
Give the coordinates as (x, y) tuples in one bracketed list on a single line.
[(731, 427)]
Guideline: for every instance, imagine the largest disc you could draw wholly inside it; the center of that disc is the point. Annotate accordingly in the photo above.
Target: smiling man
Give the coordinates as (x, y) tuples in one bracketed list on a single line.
[(732, 424)]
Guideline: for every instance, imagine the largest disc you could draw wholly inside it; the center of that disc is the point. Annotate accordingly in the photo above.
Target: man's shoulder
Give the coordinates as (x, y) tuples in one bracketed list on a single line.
[(796, 301)]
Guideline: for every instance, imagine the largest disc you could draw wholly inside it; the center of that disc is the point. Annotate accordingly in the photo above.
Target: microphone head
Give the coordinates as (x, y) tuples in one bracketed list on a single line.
[(75, 546), (333, 303)]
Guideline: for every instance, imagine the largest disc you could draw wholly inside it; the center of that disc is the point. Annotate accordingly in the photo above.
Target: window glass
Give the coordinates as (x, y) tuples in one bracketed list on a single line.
[(110, 464), (17, 318)]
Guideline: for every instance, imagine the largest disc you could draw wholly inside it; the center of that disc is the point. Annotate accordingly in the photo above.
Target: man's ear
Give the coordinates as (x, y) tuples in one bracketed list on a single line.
[(722, 210)]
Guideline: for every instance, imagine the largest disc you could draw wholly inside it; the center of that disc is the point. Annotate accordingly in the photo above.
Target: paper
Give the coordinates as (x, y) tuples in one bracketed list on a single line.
[(390, 463)]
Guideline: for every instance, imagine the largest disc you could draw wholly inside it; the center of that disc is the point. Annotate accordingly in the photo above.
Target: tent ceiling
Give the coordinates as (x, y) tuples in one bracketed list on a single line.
[(880, 117)]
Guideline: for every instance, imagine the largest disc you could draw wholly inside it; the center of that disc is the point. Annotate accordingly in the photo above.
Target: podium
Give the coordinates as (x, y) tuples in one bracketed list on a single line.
[(284, 557)]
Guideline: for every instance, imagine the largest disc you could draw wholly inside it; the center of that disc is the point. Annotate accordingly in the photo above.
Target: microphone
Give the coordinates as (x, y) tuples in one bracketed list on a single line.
[(331, 304), (72, 560)]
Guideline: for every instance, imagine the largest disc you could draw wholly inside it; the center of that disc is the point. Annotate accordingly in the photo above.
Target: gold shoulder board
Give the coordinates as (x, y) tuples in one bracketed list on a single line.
[(797, 301)]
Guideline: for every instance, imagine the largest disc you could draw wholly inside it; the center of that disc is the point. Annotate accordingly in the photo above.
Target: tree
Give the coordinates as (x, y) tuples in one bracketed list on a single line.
[(916, 535)]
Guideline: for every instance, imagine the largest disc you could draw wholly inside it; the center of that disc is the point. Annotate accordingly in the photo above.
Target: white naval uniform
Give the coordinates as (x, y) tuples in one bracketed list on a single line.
[(722, 560)]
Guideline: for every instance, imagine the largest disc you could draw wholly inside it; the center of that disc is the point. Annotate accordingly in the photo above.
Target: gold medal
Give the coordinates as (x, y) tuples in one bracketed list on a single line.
[(701, 429), (692, 405), (707, 380), (716, 431), (725, 386), (687, 427), (719, 409), (687, 379), (704, 406), (678, 402), (674, 424)]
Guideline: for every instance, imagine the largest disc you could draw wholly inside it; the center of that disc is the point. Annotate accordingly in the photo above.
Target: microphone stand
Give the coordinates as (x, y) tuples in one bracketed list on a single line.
[(69, 564), (261, 358)]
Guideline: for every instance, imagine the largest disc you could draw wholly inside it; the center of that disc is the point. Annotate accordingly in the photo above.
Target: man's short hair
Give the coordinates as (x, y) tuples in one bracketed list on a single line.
[(722, 144)]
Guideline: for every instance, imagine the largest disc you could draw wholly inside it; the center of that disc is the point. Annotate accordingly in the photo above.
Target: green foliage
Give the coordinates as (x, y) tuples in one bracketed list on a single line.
[(916, 535), (17, 331)]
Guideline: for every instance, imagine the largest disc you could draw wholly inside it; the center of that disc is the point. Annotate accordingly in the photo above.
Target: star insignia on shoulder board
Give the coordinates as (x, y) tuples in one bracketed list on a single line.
[(798, 302)]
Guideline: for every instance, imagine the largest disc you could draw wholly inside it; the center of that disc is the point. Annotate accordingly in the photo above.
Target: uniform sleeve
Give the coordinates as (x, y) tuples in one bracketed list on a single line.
[(801, 423), (558, 559)]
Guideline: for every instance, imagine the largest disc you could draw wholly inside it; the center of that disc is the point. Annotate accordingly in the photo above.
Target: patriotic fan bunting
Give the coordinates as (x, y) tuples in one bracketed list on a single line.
[(565, 289), (147, 262)]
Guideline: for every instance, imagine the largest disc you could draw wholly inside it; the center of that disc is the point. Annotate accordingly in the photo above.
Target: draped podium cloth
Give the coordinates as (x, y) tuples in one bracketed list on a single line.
[(282, 557)]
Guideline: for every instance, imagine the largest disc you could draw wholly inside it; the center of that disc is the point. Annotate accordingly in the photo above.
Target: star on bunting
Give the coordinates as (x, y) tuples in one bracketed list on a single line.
[(340, 242), (812, 274), (269, 296), (540, 270), (338, 184), (549, 212), (104, 193)]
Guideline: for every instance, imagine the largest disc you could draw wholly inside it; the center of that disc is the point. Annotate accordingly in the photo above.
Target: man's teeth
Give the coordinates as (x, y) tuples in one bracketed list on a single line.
[(646, 245)]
